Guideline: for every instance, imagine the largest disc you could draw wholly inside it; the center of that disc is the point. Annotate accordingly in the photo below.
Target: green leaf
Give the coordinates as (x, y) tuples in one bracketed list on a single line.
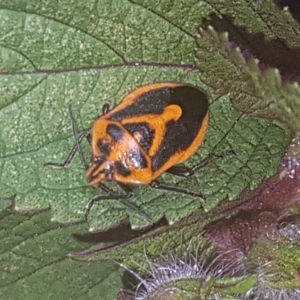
[(279, 254), (50, 36), (257, 153), (37, 128), (266, 94), (261, 29), (85, 54), (229, 63), (260, 55), (34, 262), (262, 18), (6, 203)]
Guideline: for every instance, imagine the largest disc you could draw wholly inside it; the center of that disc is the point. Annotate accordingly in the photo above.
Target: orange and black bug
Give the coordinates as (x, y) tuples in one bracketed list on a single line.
[(153, 130)]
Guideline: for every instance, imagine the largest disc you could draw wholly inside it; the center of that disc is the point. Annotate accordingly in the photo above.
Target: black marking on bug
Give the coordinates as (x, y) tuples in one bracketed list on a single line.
[(121, 169), (192, 101), (115, 132), (104, 147), (152, 102), (180, 134), (143, 134), (137, 159)]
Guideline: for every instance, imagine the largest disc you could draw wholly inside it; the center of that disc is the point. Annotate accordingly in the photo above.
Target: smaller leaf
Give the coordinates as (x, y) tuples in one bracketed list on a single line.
[(262, 29), (254, 89), (33, 257), (227, 62)]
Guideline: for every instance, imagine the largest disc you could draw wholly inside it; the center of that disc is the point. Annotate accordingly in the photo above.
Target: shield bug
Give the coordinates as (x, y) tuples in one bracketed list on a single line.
[(153, 130)]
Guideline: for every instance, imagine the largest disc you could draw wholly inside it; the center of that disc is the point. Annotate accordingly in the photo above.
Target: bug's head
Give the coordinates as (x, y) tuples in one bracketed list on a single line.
[(102, 144), (116, 154), (100, 170)]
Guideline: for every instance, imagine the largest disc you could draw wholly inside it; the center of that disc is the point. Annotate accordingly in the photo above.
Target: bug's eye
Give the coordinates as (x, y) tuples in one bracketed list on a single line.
[(97, 160), (104, 147), (108, 172), (109, 176)]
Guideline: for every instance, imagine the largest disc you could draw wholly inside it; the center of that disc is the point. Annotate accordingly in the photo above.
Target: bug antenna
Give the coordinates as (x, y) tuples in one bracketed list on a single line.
[(76, 136)]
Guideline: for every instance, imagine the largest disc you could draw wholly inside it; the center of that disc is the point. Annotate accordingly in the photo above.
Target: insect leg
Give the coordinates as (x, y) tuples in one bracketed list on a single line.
[(71, 155), (122, 198), (129, 192), (79, 138), (105, 109), (183, 171), (166, 187), (75, 133)]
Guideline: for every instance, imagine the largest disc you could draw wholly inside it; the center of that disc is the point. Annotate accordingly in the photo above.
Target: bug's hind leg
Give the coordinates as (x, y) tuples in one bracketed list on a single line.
[(166, 187), (123, 198), (184, 171)]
